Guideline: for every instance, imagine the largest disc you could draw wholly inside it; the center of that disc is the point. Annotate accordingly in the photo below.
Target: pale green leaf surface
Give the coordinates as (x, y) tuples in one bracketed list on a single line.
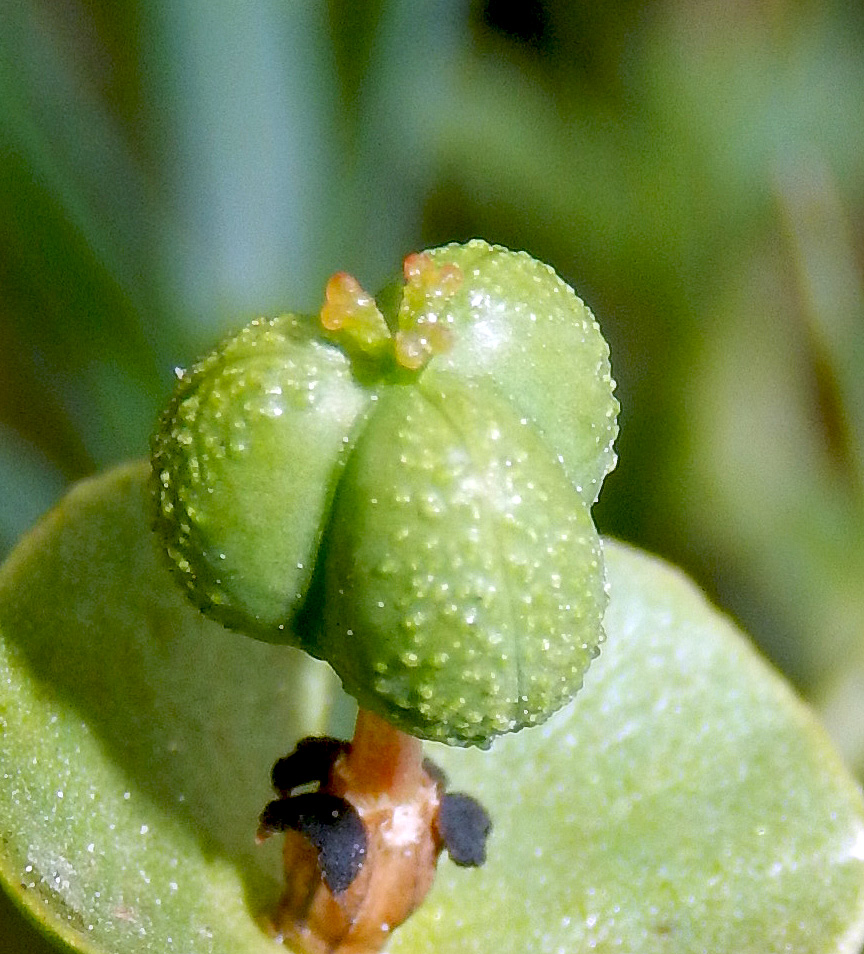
[(685, 801)]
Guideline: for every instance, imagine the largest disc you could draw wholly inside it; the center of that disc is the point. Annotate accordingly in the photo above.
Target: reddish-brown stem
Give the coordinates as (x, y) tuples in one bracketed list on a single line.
[(383, 759), (381, 776)]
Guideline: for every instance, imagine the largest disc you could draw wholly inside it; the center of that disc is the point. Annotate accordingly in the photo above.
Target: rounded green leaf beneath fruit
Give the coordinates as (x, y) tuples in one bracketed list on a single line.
[(405, 491), (686, 801)]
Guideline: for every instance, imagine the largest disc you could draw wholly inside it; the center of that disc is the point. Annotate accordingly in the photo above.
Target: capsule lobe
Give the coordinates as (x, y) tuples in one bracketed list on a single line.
[(516, 324), (245, 465), (464, 585)]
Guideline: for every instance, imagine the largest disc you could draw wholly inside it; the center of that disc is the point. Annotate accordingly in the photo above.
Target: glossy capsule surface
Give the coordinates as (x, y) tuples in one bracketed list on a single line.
[(404, 489)]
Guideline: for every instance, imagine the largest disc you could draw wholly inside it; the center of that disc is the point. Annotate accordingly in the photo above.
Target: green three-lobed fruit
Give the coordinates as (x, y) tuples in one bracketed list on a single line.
[(406, 492)]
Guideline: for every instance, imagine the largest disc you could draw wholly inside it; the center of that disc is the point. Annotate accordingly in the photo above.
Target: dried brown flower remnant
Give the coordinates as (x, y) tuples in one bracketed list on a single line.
[(360, 852)]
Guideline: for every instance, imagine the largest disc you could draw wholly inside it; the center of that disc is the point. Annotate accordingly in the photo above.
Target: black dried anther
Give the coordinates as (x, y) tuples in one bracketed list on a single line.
[(310, 762), (464, 825), (331, 824)]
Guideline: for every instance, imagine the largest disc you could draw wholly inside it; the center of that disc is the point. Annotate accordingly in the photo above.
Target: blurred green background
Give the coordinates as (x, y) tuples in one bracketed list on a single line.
[(695, 169)]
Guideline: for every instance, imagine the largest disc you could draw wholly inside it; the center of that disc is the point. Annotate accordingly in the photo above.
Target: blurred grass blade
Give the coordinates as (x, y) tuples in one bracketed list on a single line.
[(397, 65), (76, 246), (832, 286), (29, 485), (251, 153), (54, 120)]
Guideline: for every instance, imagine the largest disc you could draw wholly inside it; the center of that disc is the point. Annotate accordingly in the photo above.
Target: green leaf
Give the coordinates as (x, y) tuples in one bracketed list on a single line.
[(684, 801), (137, 737)]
